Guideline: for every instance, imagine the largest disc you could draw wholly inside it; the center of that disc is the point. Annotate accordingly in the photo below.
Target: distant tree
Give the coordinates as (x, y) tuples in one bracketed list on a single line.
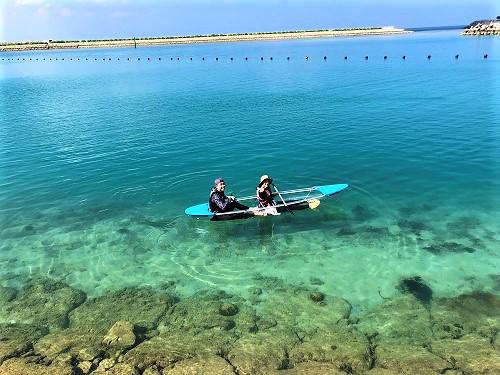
[(498, 18)]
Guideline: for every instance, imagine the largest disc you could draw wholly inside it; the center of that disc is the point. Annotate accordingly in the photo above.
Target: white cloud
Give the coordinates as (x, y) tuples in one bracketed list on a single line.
[(47, 3), (66, 12), (31, 2)]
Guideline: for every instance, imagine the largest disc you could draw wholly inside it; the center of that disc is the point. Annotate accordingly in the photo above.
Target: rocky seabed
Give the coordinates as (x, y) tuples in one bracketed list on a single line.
[(48, 327)]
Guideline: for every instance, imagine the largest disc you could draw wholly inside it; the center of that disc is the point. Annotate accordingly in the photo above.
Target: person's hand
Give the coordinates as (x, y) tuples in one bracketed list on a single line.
[(231, 197)]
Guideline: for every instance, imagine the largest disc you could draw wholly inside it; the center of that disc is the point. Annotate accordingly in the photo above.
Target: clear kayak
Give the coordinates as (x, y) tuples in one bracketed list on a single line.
[(296, 199)]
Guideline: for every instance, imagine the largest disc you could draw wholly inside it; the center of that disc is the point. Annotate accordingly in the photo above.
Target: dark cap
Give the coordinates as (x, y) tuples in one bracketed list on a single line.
[(218, 180)]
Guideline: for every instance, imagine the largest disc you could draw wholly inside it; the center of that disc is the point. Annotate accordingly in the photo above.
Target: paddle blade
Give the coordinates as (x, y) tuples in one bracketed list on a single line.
[(313, 203)]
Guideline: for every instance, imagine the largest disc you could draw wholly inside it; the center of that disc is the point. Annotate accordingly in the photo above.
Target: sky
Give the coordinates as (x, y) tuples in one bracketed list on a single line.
[(31, 20)]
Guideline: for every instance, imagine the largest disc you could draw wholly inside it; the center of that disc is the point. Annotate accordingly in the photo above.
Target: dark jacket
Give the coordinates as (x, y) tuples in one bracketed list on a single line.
[(218, 202)]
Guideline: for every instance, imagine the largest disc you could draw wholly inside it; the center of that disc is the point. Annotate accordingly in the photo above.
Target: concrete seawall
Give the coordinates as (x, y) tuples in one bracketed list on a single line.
[(142, 42)]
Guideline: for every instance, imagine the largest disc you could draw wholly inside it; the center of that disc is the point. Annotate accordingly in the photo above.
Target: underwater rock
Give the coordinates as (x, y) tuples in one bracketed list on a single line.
[(154, 371), (105, 365), (142, 307), (476, 312), (25, 366), (80, 344), (262, 353), (317, 296), (333, 214), (269, 283), (346, 231), (28, 230), (384, 371), (412, 226), (120, 336), (471, 353), (167, 349), (293, 308), (402, 319), (448, 247), (496, 281), (463, 224), (417, 287), (17, 339), (85, 366), (205, 365), (210, 310), (254, 291), (119, 369), (375, 231), (316, 281), (405, 358), (228, 309), (263, 324), (159, 224), (313, 368), (7, 294), (43, 302), (361, 213), (343, 345)]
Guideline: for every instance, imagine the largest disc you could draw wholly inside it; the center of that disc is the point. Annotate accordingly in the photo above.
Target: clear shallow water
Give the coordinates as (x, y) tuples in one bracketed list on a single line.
[(99, 159)]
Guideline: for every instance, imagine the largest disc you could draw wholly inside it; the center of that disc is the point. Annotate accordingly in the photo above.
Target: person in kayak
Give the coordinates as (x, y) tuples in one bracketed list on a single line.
[(265, 196), (220, 202)]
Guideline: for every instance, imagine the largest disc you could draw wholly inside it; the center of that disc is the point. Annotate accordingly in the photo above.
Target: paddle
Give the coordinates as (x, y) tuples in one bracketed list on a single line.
[(313, 203), (286, 206)]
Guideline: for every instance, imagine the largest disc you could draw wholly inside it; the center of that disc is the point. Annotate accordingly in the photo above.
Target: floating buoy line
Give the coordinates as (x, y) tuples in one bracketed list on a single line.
[(231, 59)]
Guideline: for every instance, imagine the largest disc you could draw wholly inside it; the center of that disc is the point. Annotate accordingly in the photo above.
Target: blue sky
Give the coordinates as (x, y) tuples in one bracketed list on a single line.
[(100, 19)]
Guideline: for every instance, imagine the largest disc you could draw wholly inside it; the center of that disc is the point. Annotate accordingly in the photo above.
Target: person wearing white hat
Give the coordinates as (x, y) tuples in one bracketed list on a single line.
[(265, 196)]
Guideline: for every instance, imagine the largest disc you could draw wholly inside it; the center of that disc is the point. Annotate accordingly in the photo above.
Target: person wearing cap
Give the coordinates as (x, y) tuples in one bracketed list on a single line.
[(220, 202), (265, 195)]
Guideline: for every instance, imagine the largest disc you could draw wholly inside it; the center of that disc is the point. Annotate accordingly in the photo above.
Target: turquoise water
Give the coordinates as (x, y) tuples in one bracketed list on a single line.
[(99, 159)]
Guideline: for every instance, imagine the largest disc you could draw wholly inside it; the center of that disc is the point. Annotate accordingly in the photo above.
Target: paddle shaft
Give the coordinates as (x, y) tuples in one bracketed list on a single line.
[(279, 194)]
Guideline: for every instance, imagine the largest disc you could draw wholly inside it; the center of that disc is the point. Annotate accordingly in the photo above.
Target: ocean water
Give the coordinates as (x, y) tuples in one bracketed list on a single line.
[(102, 150)]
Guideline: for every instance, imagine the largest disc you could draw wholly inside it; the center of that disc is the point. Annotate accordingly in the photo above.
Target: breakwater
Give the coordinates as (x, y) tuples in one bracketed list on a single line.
[(487, 27), (214, 38)]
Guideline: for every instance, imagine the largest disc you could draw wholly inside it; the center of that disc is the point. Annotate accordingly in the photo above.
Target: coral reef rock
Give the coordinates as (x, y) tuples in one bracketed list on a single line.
[(263, 352), (77, 344), (402, 319), (344, 346), (208, 365), (476, 312), (120, 336), (293, 308), (17, 339), (42, 302), (472, 354), (208, 310), (24, 366), (141, 307)]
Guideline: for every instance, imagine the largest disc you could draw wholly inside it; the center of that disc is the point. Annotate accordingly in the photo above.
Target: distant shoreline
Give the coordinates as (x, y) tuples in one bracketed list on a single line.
[(216, 38)]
